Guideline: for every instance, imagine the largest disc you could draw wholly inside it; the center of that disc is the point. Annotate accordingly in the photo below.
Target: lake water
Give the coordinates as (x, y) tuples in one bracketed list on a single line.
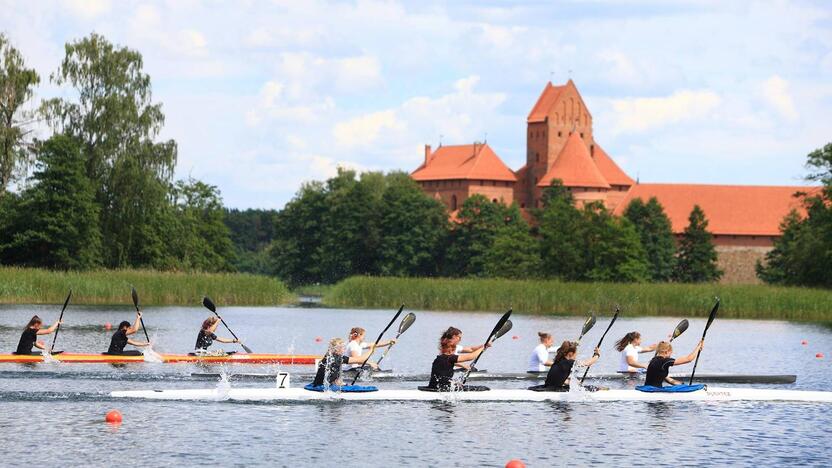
[(52, 414)]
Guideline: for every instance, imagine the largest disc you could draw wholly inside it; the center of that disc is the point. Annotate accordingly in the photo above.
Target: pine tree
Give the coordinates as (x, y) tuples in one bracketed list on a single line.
[(55, 222), (514, 252), (562, 232), (654, 230), (613, 249), (696, 261)]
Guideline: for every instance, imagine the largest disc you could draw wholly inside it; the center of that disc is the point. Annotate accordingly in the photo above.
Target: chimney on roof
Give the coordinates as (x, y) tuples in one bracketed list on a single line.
[(427, 154)]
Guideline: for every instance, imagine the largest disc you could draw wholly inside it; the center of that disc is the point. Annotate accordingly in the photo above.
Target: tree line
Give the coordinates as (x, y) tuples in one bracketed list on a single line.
[(384, 224), (99, 191)]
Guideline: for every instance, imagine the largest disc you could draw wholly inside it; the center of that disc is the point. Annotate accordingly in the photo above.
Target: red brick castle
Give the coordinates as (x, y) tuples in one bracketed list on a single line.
[(744, 219)]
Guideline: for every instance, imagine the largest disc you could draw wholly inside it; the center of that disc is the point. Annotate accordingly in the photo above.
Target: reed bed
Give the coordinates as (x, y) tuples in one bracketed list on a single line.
[(558, 298), (37, 286)]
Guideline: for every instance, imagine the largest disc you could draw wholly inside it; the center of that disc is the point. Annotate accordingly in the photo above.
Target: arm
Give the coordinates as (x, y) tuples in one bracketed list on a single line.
[(137, 324), (227, 340), (690, 357), (672, 381), (471, 349), (632, 362), (470, 356), (595, 356), (40, 345), (648, 349), (364, 357), (49, 330), (138, 344), (214, 327)]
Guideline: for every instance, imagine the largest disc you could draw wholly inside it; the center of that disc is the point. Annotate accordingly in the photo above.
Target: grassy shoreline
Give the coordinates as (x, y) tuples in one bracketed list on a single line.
[(37, 286), (557, 298)]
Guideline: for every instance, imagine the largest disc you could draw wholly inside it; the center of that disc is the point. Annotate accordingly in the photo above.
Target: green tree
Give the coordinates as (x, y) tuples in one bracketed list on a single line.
[(612, 246), (294, 253), (414, 229), (55, 222), (17, 84), (562, 232), (514, 252), (656, 235), (784, 264), (696, 261), (252, 230), (115, 119), (204, 242)]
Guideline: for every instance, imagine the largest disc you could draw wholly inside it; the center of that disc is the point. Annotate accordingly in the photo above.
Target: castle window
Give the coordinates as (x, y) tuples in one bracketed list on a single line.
[(537, 157), (560, 134), (453, 202), (494, 200), (582, 134)]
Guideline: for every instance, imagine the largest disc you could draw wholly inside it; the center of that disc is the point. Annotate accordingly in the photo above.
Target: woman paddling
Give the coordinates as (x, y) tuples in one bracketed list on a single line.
[(121, 338), (539, 361), (455, 335), (357, 345), (442, 370), (206, 336), (557, 380), (29, 337), (329, 367), (630, 347), (659, 367)]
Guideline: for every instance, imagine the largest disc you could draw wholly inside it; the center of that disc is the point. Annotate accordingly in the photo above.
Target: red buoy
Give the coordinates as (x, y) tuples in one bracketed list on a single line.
[(108, 326), (819, 355), (515, 337), (113, 417), (804, 342), (318, 339), (515, 464)]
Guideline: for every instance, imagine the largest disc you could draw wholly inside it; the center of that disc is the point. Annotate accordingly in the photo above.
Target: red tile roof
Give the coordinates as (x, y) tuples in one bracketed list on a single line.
[(575, 167), (749, 210), (547, 99), (477, 161), (609, 169)]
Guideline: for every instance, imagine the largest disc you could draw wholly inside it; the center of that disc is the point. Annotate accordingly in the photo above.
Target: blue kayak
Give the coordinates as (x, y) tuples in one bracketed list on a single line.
[(341, 388), (670, 389)]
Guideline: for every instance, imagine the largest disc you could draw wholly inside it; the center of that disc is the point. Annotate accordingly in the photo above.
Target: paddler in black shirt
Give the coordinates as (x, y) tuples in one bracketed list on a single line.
[(29, 337), (659, 367), (206, 336), (557, 379), (121, 338), (442, 370), (329, 368)]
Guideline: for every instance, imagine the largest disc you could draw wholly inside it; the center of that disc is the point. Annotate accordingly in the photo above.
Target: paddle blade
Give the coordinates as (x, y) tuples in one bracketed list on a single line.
[(209, 304), (590, 322), (246, 348), (683, 325), (407, 321), (713, 315), (500, 324), (503, 330), (66, 302), (135, 296)]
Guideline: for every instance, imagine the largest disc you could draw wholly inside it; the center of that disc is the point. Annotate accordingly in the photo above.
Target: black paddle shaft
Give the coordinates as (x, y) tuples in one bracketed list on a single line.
[(55, 338), (705, 332), (135, 296), (380, 335), (614, 317), (491, 336), (209, 304)]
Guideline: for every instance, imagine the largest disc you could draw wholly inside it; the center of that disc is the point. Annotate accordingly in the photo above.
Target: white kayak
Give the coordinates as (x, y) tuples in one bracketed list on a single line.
[(507, 395)]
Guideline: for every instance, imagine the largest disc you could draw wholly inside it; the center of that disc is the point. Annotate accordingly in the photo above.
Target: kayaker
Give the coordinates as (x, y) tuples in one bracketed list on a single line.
[(121, 338), (329, 367), (558, 377), (356, 346), (206, 336), (659, 367), (29, 337), (442, 370), (455, 335), (630, 347), (539, 361)]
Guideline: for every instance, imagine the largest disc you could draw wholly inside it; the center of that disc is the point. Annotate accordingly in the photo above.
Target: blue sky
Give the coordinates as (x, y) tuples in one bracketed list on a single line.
[(263, 95)]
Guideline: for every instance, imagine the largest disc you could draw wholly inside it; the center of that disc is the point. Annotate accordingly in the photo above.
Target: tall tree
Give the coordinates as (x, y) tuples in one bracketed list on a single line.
[(514, 252), (696, 261), (613, 249), (204, 242), (414, 229), (55, 223), (562, 231), (787, 262), (656, 234), (115, 119), (17, 84)]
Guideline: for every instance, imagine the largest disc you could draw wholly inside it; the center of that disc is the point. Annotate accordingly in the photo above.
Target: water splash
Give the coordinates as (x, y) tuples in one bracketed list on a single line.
[(149, 354), (223, 385), (47, 357)]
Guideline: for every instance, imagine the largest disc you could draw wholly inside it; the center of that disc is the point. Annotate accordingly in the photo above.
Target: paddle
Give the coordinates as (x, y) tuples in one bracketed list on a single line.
[(588, 324), (707, 326), (502, 327), (614, 317), (206, 301), (141, 319), (683, 325), (407, 321), (55, 338), (361, 369)]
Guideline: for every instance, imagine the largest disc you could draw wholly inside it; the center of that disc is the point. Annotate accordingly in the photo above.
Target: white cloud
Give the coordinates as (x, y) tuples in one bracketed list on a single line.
[(365, 129), (775, 91), (88, 9), (649, 113), (621, 68)]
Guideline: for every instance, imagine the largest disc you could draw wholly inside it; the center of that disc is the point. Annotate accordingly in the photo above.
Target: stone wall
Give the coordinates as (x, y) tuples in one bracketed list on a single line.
[(738, 263)]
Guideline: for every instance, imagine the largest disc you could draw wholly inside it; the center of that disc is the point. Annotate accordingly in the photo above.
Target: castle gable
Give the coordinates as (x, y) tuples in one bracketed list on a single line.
[(574, 167), (464, 162)]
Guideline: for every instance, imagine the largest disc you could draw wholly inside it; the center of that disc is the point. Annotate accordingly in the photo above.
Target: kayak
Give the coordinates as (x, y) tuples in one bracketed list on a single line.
[(392, 376), (505, 395), (236, 358)]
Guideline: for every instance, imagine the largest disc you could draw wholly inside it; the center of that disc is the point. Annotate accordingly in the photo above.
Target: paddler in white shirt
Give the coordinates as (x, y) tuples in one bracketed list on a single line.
[(539, 361), (356, 346), (630, 347)]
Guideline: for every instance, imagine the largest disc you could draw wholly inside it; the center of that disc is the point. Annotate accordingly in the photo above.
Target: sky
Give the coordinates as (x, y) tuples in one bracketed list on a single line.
[(262, 96)]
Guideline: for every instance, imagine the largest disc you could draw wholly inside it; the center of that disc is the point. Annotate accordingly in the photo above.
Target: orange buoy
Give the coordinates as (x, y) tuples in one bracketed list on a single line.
[(515, 464), (113, 417), (108, 326), (318, 339), (804, 342), (819, 355), (515, 337)]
